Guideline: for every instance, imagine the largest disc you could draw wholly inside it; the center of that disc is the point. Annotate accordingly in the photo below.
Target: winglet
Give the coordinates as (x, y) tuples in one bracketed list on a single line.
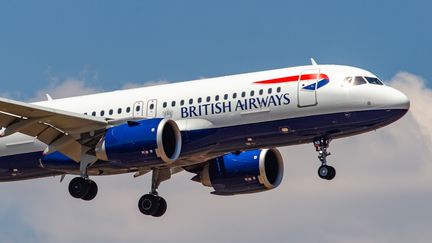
[(49, 98), (313, 62)]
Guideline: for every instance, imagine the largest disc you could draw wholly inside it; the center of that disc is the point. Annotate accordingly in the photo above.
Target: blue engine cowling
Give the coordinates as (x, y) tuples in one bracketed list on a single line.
[(140, 141), (247, 172), (134, 144)]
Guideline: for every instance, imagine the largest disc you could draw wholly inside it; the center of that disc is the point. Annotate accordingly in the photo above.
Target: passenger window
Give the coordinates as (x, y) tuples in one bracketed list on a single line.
[(181, 102), (119, 110), (208, 98), (85, 113), (128, 109), (269, 91), (102, 113), (173, 103), (243, 94), (164, 105), (359, 81), (252, 93), (261, 92), (190, 101), (216, 97), (111, 111), (278, 89), (137, 108), (225, 96), (199, 100), (234, 95), (94, 113)]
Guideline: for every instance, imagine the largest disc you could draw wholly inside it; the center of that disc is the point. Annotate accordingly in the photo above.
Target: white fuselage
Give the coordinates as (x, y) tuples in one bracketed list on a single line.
[(232, 101)]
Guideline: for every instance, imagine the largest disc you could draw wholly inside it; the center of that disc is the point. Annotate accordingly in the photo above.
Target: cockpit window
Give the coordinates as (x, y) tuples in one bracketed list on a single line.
[(359, 81), (374, 81), (348, 80)]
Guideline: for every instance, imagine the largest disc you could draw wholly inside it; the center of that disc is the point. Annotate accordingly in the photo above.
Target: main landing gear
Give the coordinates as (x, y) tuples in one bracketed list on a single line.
[(325, 171), (152, 204), (82, 187), (149, 204)]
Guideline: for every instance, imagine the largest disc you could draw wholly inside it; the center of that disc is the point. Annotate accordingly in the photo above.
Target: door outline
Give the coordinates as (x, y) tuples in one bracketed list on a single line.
[(307, 98), (138, 109), (151, 108)]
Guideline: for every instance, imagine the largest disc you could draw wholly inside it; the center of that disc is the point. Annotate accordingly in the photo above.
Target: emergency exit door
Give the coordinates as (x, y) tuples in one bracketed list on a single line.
[(138, 109), (151, 108)]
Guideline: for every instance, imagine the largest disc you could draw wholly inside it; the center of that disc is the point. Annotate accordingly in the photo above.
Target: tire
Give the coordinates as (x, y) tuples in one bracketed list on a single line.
[(162, 207), (79, 187), (323, 171), (332, 173), (148, 204), (92, 192)]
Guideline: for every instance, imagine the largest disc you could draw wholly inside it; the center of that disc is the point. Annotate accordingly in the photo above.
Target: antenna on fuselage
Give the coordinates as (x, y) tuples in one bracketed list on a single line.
[(314, 63)]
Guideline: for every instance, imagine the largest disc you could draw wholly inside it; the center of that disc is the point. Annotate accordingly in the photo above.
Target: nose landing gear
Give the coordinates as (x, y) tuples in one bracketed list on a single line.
[(325, 171)]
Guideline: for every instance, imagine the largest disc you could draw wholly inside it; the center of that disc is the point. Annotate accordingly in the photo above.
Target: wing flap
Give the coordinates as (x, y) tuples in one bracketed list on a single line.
[(6, 119)]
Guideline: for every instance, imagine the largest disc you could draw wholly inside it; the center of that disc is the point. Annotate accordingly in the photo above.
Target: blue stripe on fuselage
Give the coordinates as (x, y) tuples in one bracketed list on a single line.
[(23, 166)]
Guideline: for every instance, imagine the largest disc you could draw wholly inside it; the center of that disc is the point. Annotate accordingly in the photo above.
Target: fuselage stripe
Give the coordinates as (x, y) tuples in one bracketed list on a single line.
[(293, 78)]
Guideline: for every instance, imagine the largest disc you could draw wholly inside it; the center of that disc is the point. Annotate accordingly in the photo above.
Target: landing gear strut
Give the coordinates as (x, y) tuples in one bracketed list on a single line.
[(82, 187), (152, 204), (325, 171)]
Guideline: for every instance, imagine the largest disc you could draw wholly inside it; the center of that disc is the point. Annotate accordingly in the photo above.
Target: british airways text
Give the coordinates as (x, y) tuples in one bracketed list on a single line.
[(239, 105)]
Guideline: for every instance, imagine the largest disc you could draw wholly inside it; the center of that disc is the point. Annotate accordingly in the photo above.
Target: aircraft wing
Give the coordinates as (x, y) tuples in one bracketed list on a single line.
[(59, 129)]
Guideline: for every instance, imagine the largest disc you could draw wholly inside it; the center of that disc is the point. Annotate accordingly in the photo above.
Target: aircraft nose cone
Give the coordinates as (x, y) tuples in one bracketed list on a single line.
[(399, 100)]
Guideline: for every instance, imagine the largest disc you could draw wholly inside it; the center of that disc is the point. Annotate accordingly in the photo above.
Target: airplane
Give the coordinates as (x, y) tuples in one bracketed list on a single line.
[(224, 130)]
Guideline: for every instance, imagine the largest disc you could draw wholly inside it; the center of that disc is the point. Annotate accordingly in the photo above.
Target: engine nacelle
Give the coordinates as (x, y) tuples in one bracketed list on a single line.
[(247, 172), (140, 141)]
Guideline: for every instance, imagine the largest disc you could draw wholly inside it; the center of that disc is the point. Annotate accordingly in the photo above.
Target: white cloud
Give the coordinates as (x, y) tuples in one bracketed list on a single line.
[(67, 88), (382, 193), (421, 99), (145, 84), (61, 85)]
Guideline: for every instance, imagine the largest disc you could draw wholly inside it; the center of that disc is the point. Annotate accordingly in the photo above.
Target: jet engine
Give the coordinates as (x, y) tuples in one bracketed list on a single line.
[(139, 141), (136, 143), (246, 172)]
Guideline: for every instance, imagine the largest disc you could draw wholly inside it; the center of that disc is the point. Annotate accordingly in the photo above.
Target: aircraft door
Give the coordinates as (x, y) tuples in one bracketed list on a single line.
[(307, 88), (138, 109), (151, 108)]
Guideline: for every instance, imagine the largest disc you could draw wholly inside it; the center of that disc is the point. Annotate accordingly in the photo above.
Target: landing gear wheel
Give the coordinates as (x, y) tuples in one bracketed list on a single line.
[(326, 172), (152, 204), (79, 187), (149, 204), (162, 207), (91, 194)]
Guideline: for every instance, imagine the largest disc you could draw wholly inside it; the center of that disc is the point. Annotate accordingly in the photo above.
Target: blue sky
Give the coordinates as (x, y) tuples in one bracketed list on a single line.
[(110, 43), (383, 189)]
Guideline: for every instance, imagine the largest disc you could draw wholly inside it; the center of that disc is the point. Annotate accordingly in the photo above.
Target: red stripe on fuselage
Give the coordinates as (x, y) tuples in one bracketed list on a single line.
[(293, 78)]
